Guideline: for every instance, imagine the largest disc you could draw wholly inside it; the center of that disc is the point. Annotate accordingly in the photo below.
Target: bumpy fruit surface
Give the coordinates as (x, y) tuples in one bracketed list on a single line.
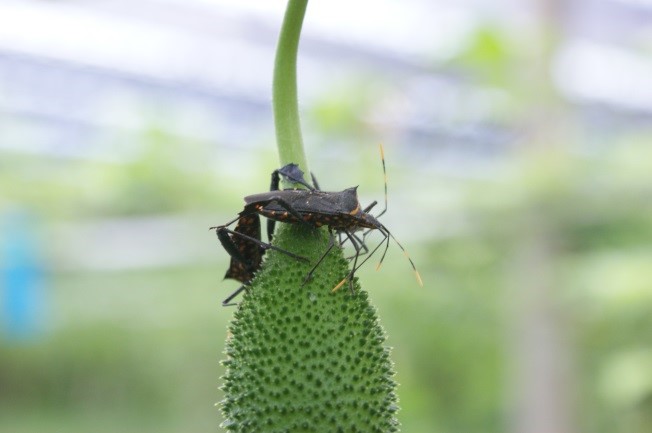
[(303, 359)]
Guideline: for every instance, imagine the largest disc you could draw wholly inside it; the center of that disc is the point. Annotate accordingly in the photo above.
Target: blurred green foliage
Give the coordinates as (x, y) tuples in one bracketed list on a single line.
[(489, 56), (135, 351), (140, 350), (155, 178)]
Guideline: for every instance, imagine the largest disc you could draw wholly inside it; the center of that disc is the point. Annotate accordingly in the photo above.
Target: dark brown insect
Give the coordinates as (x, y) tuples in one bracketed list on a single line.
[(339, 211), (249, 254), (243, 243)]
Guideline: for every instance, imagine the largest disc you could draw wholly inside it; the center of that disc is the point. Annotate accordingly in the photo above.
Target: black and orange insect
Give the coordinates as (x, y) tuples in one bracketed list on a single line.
[(340, 211), (244, 243)]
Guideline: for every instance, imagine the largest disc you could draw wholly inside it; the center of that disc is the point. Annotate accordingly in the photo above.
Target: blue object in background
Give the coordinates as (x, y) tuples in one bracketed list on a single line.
[(21, 278)]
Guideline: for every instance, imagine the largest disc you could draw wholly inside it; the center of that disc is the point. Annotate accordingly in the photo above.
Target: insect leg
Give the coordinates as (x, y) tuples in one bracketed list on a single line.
[(271, 225), (362, 243), (229, 245), (253, 207), (355, 267), (331, 244), (366, 232), (227, 302), (275, 181), (314, 182), (355, 258), (222, 232), (229, 223), (293, 174), (371, 206)]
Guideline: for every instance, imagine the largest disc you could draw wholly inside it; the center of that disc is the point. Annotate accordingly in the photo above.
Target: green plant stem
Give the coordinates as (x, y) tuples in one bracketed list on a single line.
[(302, 358), (284, 92)]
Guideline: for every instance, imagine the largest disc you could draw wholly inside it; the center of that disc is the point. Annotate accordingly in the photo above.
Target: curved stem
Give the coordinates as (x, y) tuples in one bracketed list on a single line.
[(284, 93)]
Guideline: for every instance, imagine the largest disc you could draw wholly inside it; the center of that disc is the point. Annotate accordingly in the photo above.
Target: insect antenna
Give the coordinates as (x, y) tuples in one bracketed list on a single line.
[(388, 235), (382, 158), (368, 208), (385, 241)]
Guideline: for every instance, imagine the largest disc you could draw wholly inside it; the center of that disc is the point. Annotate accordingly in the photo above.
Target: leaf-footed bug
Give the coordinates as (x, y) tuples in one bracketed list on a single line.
[(244, 245), (350, 218), (339, 211)]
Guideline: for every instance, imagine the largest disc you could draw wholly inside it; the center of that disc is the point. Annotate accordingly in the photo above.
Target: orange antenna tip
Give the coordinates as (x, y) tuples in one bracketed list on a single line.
[(340, 284), (419, 280)]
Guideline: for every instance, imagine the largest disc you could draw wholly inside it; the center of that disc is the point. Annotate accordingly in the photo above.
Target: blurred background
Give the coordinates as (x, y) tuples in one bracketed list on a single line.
[(517, 138)]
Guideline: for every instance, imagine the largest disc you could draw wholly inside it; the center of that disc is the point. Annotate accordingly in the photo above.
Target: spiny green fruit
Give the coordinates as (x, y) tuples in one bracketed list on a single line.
[(303, 359)]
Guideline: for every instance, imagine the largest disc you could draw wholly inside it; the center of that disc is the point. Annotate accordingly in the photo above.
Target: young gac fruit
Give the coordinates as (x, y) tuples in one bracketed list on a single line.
[(303, 359)]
